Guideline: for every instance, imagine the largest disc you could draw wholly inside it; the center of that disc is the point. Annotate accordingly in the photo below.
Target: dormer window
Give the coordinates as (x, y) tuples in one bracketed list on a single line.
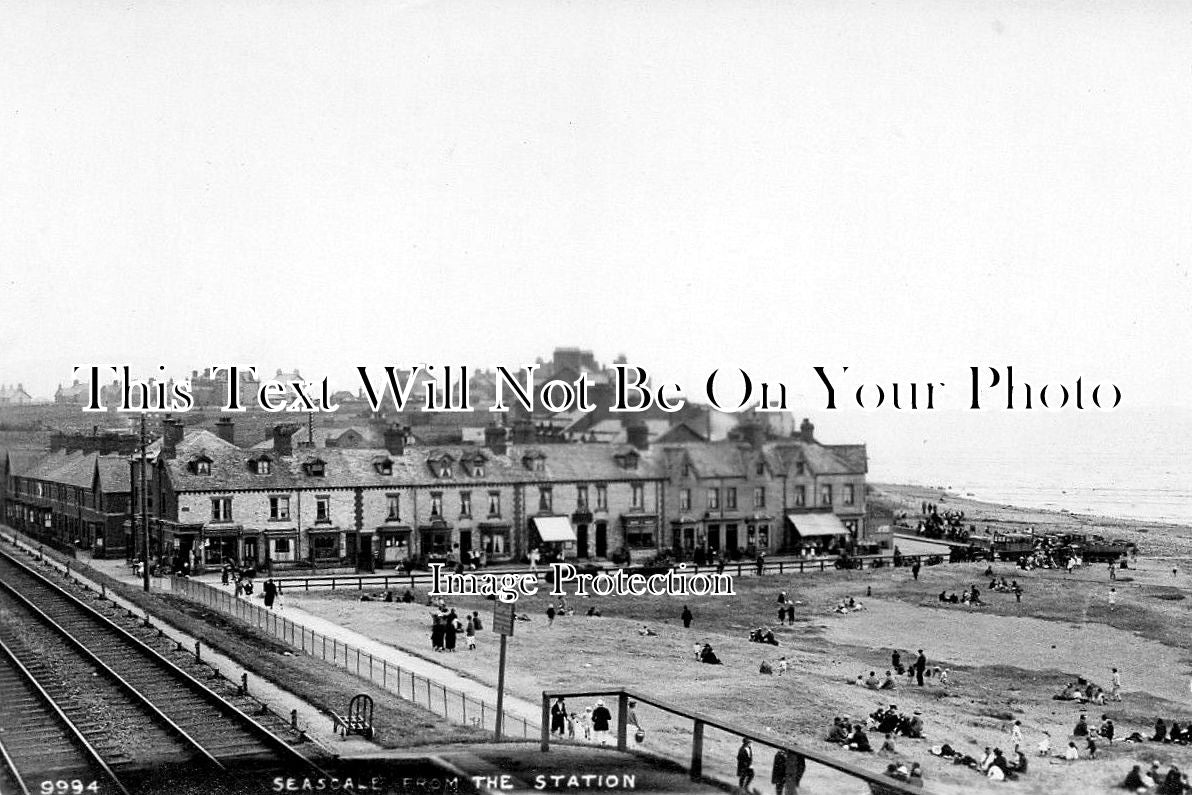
[(316, 468), (534, 461), (444, 469), (201, 465), (761, 469), (478, 469), (686, 470), (627, 460), (383, 465), (262, 465)]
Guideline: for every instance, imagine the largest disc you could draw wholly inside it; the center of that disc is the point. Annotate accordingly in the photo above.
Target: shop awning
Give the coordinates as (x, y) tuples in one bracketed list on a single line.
[(554, 528), (816, 524)]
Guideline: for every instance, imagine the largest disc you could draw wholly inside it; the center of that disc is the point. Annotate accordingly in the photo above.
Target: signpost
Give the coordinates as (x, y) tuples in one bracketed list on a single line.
[(503, 625)]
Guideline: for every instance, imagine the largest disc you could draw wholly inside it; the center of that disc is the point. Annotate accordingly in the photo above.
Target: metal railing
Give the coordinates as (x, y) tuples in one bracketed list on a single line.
[(715, 758), (386, 581), (436, 697)]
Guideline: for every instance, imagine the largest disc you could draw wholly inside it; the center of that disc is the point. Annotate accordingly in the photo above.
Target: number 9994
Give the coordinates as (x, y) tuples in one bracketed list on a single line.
[(72, 787)]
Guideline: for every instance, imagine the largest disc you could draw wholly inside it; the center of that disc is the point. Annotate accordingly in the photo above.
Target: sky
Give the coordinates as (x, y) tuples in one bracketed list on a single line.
[(905, 188)]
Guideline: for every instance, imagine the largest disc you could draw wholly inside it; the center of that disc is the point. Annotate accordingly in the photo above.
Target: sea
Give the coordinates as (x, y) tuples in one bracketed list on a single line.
[(1129, 464)]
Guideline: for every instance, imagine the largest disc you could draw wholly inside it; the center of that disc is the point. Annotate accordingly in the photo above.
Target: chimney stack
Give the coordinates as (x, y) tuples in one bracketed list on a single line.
[(171, 435), (494, 439), (523, 432), (807, 431), (395, 439), (639, 435), (283, 442), (753, 432), (226, 429)]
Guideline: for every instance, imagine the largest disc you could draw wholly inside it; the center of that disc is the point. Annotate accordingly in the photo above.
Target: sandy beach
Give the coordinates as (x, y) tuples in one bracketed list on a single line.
[(1006, 660)]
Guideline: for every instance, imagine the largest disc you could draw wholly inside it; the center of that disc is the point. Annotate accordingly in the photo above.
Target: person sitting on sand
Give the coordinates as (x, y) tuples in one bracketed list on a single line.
[(1160, 731), (1134, 781), (887, 745), (1082, 727), (783, 666), (859, 740), (1044, 746), (944, 595), (1067, 694), (953, 599), (838, 732), (1071, 754), (872, 682), (644, 631), (1173, 733), (888, 682), (708, 657)]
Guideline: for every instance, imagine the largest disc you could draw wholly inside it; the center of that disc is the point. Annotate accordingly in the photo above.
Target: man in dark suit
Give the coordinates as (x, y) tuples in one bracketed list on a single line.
[(744, 764), (920, 667)]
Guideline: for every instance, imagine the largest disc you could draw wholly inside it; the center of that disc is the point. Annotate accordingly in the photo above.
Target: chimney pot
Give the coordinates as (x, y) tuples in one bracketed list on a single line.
[(226, 429)]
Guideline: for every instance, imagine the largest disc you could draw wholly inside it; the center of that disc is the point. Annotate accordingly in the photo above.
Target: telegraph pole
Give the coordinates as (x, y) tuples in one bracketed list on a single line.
[(144, 512)]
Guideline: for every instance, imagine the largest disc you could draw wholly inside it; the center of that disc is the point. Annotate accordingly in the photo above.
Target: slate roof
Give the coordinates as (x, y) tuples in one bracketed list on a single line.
[(75, 469)]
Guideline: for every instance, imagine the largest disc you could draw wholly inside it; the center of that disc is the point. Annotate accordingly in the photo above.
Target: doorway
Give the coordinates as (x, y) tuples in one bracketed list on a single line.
[(601, 539), (581, 541)]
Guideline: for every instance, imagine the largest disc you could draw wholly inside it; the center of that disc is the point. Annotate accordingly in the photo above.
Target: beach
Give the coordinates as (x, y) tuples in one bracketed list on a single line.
[(1005, 659)]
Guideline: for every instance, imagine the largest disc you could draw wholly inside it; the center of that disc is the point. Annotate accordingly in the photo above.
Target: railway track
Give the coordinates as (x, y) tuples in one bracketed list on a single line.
[(119, 711), (37, 741)]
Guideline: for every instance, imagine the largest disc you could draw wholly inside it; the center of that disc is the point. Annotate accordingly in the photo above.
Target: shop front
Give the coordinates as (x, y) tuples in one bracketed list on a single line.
[(495, 541), (393, 545), (554, 537), (818, 533)]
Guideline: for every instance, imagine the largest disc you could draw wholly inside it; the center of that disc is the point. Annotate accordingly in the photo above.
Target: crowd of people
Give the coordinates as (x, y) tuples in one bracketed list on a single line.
[(1174, 782)]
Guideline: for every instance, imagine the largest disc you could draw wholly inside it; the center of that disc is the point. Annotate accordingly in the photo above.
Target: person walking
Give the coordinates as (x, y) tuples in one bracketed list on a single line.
[(550, 615), (687, 617), (470, 634), (534, 560), (915, 570), (920, 667), (778, 776), (1116, 693), (744, 764), (601, 718), (270, 591), (1016, 735), (558, 717)]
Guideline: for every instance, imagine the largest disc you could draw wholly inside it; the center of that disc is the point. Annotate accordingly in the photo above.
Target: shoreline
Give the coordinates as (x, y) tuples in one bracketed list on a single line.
[(1158, 539)]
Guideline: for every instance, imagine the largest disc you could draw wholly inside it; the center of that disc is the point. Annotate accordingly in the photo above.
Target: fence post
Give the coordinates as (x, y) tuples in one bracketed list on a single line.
[(622, 719), (545, 721), (384, 673), (198, 652), (428, 696), (697, 750)]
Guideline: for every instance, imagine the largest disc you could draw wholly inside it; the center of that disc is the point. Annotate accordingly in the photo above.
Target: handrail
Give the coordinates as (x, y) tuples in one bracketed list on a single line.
[(701, 720), (413, 579)]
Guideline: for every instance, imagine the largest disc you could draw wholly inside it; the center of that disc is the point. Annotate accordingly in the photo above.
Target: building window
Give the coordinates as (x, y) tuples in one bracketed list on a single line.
[(316, 469), (800, 495), (601, 497), (581, 498), (713, 499), (730, 498), (761, 469), (393, 504), (826, 494), (686, 470), (639, 536), (202, 467), (494, 504), (478, 470), (465, 503), (445, 470), (281, 546), (637, 495), (495, 542), (850, 494), (264, 466), (324, 546), (684, 499), (323, 509), (436, 503), (279, 508), (759, 496), (221, 509), (545, 499)]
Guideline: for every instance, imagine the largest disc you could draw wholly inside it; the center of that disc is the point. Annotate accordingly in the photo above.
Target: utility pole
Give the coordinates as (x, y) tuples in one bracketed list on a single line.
[(144, 512)]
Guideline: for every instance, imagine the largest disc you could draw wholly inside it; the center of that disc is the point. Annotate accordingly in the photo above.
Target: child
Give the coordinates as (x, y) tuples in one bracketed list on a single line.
[(571, 719), (470, 633), (588, 723)]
